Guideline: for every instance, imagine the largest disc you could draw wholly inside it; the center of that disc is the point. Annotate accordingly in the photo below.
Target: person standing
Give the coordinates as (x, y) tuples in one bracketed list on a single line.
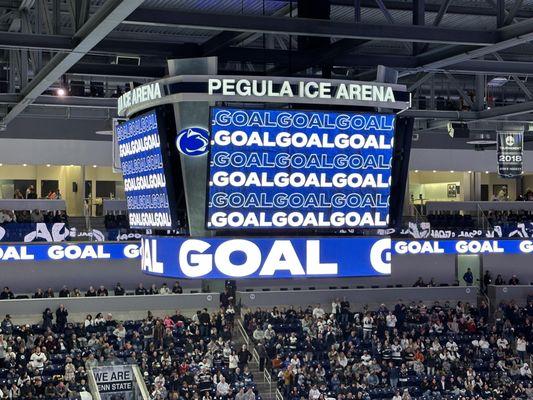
[(468, 277), (487, 280), (61, 317), (244, 356), (262, 353)]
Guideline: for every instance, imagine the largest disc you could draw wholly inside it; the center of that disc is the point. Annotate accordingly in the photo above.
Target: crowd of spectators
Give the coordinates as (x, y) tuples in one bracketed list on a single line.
[(179, 357), (468, 279), (444, 351), (116, 221), (118, 290), (35, 216)]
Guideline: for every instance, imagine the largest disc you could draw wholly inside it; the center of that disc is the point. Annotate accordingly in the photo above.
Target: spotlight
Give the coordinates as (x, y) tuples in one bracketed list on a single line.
[(61, 92)]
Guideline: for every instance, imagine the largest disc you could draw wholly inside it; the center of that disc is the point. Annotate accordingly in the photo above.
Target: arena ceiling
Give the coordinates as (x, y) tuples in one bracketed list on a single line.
[(442, 49)]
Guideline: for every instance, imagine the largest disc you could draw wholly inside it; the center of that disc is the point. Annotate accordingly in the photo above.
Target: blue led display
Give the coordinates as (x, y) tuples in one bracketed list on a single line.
[(224, 258), (144, 176), (68, 252), (292, 257), (279, 169)]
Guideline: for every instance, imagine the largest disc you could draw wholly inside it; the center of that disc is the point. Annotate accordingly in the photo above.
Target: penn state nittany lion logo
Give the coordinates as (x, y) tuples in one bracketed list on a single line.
[(193, 141)]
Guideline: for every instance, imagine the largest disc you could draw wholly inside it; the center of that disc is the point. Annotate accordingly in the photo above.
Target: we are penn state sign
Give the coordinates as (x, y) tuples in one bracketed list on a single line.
[(222, 258)]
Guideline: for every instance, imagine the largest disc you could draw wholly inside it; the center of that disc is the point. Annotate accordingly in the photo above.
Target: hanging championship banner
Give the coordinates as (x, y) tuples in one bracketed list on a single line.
[(510, 154)]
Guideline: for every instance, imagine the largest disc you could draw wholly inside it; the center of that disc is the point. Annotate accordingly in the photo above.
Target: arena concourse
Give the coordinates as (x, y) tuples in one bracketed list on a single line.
[(266, 200)]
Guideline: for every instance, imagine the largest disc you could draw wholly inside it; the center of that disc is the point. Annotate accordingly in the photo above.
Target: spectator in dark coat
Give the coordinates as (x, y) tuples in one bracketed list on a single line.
[(7, 294), (61, 317)]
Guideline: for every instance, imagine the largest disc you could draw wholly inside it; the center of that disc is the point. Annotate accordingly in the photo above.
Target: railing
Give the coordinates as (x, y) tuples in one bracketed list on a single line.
[(92, 385), (255, 354), (450, 206), (33, 204), (485, 224), (140, 382)]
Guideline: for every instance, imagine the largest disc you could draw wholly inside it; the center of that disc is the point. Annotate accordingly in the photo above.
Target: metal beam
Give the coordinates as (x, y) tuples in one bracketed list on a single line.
[(16, 40), (419, 18), (509, 36), (66, 101), (310, 27), (438, 19), (500, 13), (512, 13), (518, 81), (479, 103), (398, 5), (419, 82), (92, 32), (79, 10), (459, 89), (126, 71), (506, 111), (493, 67), (224, 39), (357, 11)]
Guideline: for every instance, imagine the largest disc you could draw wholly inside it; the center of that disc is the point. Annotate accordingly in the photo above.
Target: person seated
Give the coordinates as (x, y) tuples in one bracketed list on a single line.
[(102, 291), (31, 194), (419, 282), (64, 292), (164, 289), (119, 290), (153, 289), (91, 292), (6, 216), (176, 288), (514, 280), (7, 294), (37, 216), (141, 290)]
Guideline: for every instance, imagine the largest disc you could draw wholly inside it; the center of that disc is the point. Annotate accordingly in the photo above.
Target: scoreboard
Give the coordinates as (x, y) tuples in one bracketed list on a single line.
[(148, 178), (287, 169)]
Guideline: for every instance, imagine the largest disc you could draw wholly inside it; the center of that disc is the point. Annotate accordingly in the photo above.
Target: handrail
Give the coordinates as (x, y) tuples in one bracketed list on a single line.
[(483, 218), (255, 354), (92, 385), (485, 294), (247, 340), (140, 382)]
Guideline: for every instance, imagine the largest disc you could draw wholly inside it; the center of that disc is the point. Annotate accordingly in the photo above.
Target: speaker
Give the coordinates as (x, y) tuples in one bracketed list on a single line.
[(458, 130), (75, 187)]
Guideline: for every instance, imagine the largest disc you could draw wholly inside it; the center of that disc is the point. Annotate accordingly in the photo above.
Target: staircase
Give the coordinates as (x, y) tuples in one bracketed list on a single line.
[(266, 390)]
